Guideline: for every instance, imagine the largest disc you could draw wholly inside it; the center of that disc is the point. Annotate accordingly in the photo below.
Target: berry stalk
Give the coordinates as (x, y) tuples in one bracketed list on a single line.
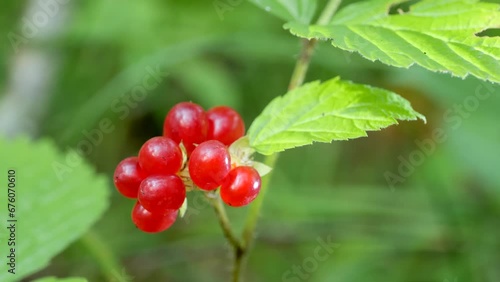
[(224, 222)]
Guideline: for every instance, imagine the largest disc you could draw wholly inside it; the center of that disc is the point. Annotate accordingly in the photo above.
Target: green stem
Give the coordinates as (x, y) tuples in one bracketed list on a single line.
[(297, 79), (302, 65), (251, 222), (105, 258), (238, 263), (242, 247), (253, 214), (331, 7), (224, 222)]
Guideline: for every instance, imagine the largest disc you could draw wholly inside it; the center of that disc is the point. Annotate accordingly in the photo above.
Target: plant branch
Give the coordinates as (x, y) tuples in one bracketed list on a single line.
[(256, 206), (331, 7), (224, 223), (242, 246), (302, 65), (108, 263), (297, 79)]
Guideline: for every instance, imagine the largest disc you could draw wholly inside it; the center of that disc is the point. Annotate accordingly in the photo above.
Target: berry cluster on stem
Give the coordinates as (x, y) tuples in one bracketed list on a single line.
[(193, 152)]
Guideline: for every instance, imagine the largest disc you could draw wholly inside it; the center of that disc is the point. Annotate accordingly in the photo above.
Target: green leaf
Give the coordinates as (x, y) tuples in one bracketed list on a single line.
[(208, 83), (322, 112), (57, 199), (439, 35), (55, 279), (301, 11), (184, 207)]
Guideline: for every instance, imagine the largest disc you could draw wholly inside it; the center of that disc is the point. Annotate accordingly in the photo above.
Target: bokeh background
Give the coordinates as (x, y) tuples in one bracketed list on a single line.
[(440, 222)]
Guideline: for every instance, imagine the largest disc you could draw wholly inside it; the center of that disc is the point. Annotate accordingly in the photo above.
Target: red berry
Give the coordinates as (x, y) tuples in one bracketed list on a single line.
[(241, 186), (160, 155), (128, 176), (159, 193), (225, 125), (186, 122), (209, 164), (152, 222)]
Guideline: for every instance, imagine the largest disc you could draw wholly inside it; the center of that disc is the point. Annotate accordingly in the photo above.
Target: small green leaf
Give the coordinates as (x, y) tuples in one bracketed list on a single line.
[(439, 35), (301, 11), (262, 168), (241, 152), (57, 198), (322, 112), (184, 207), (242, 155), (55, 279)]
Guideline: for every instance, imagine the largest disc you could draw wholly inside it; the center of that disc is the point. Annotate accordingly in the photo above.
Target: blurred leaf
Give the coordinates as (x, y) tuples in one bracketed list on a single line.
[(289, 10), (334, 110), (209, 84), (484, 145), (137, 19), (299, 202), (55, 279), (433, 34), (58, 198), (119, 89)]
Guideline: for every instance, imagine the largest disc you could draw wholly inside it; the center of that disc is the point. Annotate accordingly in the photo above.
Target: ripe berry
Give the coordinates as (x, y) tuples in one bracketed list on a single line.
[(241, 186), (128, 176), (152, 222), (160, 155), (209, 164), (225, 125), (159, 193), (186, 122)]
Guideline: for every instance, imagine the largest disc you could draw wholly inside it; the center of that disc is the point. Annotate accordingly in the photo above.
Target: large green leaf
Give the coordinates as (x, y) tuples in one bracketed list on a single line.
[(439, 35), (57, 199), (289, 10), (322, 112)]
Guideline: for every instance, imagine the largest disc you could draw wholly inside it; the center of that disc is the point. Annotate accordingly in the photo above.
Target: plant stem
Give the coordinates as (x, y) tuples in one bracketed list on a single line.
[(302, 65), (105, 258), (220, 211), (242, 246), (238, 263), (256, 206), (331, 7), (251, 221)]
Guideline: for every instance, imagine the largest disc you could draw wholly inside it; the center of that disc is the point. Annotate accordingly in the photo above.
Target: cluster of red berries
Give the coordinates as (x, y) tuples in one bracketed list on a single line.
[(193, 140)]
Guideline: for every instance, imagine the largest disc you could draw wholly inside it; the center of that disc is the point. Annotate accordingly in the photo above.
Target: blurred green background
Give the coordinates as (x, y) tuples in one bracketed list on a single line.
[(441, 224)]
